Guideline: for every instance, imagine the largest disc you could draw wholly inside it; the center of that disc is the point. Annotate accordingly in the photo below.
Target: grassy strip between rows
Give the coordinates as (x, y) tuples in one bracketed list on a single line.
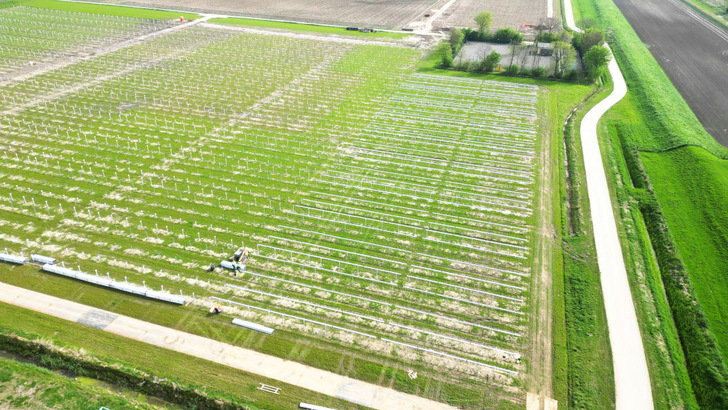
[(580, 341), (211, 378), (307, 28), (119, 11)]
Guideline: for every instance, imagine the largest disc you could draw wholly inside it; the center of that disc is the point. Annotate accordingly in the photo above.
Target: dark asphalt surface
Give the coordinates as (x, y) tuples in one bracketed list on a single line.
[(692, 50)]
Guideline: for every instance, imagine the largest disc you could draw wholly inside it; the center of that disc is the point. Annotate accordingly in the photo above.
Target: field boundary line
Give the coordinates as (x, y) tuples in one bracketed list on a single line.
[(286, 371), (631, 375)]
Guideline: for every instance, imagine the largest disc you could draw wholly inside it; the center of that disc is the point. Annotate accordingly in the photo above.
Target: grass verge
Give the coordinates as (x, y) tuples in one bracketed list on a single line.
[(306, 28), (24, 385), (670, 121), (209, 377)]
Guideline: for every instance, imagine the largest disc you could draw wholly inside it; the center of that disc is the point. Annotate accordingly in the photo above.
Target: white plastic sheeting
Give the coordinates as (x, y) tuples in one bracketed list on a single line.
[(254, 326), (6, 257), (43, 259)]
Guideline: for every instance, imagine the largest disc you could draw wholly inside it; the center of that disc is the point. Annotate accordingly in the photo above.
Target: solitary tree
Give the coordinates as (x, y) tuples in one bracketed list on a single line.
[(491, 61), (590, 38), (456, 37), (595, 60), (483, 19), (446, 54), (564, 56)]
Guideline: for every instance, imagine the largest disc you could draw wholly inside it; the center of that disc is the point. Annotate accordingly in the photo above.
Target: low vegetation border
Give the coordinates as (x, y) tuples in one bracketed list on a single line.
[(308, 28), (661, 106)]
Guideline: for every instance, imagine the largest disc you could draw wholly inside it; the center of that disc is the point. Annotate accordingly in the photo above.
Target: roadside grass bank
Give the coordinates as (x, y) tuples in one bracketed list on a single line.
[(589, 374), (25, 385), (673, 233), (134, 359), (670, 121), (306, 28)]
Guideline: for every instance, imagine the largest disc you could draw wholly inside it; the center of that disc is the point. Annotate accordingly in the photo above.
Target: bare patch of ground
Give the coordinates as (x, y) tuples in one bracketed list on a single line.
[(387, 14), (513, 14), (692, 51), (540, 349)]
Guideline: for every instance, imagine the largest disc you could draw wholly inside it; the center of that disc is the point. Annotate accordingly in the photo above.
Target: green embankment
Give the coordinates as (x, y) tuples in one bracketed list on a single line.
[(120, 11), (673, 231), (689, 179), (25, 385), (670, 121), (590, 376), (211, 378), (307, 28)]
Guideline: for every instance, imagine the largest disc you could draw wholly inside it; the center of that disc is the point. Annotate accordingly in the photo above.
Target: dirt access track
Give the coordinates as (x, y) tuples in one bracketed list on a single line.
[(692, 50), (384, 14)]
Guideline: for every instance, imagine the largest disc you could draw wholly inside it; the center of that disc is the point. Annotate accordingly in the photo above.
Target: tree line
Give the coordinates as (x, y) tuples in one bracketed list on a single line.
[(565, 49)]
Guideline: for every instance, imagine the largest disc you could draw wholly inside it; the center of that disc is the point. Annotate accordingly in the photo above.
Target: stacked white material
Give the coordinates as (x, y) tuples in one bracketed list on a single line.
[(123, 286), (43, 259), (253, 326), (6, 257)]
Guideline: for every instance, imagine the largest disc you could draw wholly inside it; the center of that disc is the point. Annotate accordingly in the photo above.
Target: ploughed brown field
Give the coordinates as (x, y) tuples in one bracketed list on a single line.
[(513, 14), (389, 14), (693, 53)]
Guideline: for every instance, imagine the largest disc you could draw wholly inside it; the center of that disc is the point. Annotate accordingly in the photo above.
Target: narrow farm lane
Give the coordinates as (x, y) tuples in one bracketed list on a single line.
[(631, 377), (247, 360)]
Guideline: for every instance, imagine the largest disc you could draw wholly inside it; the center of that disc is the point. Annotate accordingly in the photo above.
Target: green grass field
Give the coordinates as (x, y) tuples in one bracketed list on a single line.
[(690, 178), (27, 386), (107, 10), (389, 213), (305, 28)]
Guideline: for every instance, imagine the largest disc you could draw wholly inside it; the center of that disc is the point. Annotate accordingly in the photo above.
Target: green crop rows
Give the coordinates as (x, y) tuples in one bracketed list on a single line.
[(30, 36), (388, 211)]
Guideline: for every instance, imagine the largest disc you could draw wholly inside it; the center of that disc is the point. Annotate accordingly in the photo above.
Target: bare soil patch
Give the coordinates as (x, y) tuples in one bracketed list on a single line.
[(386, 14), (513, 14), (694, 56)]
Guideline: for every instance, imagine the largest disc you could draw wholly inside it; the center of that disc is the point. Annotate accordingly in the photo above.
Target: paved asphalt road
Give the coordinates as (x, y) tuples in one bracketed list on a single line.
[(631, 377), (692, 50)]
